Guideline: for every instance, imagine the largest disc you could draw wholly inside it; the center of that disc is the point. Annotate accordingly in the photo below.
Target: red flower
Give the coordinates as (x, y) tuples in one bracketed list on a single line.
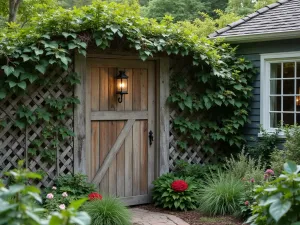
[(179, 185), (270, 172), (94, 196), (246, 203)]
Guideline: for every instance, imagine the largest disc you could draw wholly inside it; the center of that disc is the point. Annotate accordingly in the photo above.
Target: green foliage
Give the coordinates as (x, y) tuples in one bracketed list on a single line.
[(197, 171), (244, 167), (264, 146), (201, 96), (109, 210), (221, 194), (66, 184), (278, 202), (206, 25), (178, 9), (290, 151), (245, 7), (164, 196), (18, 204)]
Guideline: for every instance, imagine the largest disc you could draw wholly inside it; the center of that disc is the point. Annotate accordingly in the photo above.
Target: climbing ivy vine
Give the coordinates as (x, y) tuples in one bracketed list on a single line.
[(219, 80)]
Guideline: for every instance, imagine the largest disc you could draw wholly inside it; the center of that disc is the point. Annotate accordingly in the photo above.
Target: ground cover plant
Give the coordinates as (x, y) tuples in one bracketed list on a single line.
[(107, 210), (20, 204)]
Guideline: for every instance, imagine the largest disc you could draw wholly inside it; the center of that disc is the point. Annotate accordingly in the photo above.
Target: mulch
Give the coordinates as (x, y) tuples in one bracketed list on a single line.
[(195, 217)]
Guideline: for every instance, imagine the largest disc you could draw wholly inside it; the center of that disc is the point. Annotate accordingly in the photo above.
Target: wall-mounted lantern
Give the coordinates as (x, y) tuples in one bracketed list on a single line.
[(122, 85)]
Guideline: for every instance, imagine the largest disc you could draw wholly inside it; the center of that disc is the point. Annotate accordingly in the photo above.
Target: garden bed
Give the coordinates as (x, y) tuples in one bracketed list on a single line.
[(195, 217)]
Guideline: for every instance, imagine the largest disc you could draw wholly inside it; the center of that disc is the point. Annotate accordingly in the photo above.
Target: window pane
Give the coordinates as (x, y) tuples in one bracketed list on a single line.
[(298, 119), (275, 119), (288, 70), (275, 70), (298, 87), (298, 103), (275, 103), (288, 86), (275, 87), (298, 69), (288, 118), (289, 103)]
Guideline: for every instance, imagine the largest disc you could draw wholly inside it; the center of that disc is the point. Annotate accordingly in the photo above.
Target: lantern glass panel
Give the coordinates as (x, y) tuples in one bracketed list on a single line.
[(122, 86)]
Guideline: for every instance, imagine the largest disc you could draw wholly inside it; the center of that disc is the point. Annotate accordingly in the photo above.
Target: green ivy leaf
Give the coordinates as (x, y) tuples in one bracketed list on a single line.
[(22, 85), (41, 68), (8, 69)]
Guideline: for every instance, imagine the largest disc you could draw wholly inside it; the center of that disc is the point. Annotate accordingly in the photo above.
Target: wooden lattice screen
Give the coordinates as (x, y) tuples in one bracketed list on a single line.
[(14, 142)]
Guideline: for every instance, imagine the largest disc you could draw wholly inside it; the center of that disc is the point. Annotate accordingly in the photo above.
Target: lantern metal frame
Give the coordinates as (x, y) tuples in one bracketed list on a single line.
[(121, 76)]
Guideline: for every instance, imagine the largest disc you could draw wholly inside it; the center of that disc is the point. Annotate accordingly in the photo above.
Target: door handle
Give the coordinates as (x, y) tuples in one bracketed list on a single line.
[(151, 138)]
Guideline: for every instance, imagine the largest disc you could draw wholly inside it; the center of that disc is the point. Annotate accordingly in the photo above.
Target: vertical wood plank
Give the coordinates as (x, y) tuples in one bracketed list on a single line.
[(136, 159), (121, 165), (144, 157), (128, 164), (164, 115), (112, 97), (112, 134), (95, 91), (152, 156), (128, 97), (144, 90), (81, 153), (136, 89), (104, 127)]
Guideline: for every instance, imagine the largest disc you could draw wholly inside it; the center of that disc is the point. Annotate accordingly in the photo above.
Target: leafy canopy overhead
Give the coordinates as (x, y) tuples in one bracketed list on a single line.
[(219, 80)]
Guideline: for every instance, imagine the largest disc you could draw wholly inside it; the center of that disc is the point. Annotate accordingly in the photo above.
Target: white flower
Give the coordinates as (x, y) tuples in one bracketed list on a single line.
[(54, 188), (62, 206), (50, 196), (64, 194)]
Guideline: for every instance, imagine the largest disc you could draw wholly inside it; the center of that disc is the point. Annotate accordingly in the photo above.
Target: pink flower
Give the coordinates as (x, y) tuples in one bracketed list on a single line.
[(54, 188), (246, 203), (270, 172), (252, 180), (50, 196), (64, 194), (62, 206)]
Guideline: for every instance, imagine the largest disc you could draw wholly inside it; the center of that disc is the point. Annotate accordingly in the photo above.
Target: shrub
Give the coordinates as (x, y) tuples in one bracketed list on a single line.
[(108, 211), (67, 188), (221, 194), (278, 202), (197, 171), (174, 192), (278, 158), (264, 146), (19, 204), (245, 168)]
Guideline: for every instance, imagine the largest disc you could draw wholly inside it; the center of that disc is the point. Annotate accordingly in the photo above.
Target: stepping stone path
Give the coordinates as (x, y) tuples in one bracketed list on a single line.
[(145, 217)]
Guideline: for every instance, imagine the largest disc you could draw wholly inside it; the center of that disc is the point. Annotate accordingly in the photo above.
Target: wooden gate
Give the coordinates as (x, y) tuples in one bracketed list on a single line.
[(121, 161)]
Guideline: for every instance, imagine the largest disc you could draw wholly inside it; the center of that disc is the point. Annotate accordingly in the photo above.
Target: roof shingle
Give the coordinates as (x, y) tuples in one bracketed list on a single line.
[(282, 16)]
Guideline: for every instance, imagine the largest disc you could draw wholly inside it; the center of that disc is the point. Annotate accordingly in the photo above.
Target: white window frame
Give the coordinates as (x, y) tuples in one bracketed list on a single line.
[(265, 61)]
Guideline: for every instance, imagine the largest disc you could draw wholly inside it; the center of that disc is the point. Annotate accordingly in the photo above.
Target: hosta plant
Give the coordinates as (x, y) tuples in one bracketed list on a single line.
[(278, 201), (175, 193)]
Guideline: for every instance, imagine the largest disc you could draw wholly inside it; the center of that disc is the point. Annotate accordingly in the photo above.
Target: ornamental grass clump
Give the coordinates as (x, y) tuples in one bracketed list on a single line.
[(107, 210), (221, 194), (172, 192)]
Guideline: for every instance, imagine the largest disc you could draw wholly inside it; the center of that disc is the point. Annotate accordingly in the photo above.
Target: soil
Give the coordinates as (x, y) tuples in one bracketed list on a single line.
[(195, 217)]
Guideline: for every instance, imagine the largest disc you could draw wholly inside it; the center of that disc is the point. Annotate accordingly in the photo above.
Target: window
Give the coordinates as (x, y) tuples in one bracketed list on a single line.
[(280, 90)]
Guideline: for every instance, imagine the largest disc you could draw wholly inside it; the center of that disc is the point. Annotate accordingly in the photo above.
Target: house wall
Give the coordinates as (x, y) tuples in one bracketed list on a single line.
[(252, 52)]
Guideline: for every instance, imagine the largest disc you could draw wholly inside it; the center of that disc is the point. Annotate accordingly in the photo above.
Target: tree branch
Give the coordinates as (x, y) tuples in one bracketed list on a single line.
[(13, 9)]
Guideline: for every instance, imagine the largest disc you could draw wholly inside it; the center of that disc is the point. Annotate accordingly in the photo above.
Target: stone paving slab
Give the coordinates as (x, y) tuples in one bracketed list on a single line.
[(145, 217)]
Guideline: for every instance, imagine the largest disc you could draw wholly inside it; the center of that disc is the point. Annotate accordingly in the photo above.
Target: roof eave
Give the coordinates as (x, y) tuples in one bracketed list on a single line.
[(259, 37)]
